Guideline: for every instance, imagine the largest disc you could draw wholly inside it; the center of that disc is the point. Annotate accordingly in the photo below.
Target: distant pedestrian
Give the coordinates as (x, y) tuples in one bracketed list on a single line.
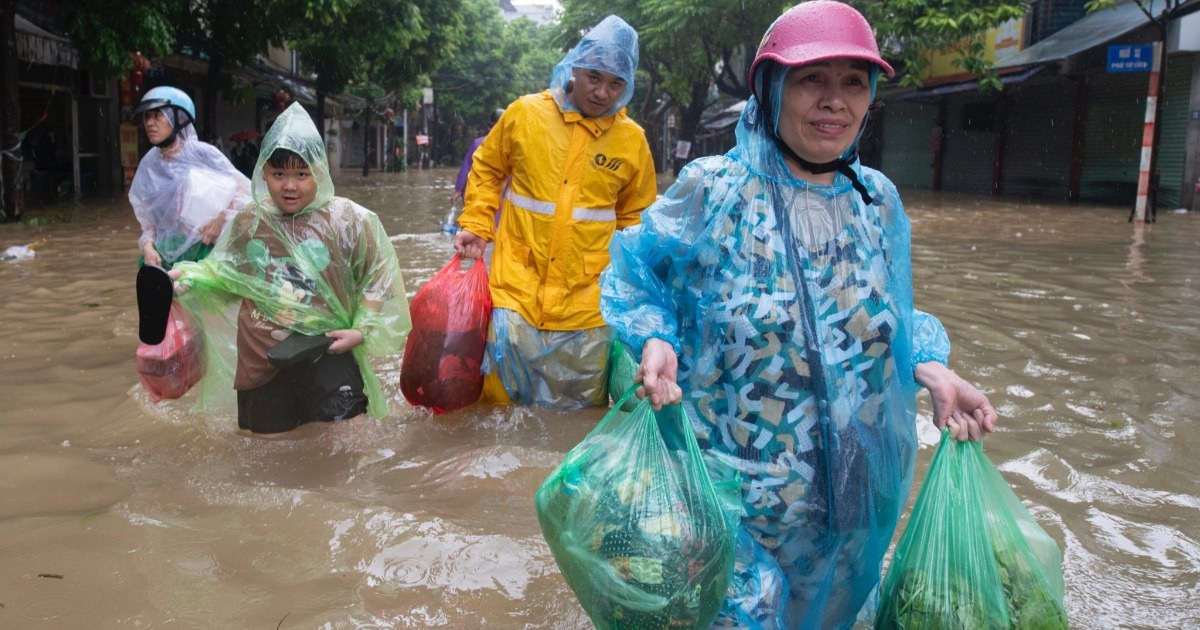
[(460, 184)]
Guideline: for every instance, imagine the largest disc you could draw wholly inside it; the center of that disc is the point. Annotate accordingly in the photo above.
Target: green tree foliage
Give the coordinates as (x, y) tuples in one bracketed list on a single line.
[(909, 30), (106, 32), (226, 33), (497, 62), (687, 47), (377, 48)]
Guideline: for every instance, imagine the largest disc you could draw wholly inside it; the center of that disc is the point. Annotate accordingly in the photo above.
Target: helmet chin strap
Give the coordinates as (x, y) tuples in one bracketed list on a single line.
[(169, 141), (841, 165), (176, 125)]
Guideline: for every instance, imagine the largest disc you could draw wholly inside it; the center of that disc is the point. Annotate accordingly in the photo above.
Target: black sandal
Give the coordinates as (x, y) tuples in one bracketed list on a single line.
[(155, 290)]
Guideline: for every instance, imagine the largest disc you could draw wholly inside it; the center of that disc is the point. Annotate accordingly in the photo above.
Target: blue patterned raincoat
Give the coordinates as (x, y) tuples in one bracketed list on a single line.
[(790, 307)]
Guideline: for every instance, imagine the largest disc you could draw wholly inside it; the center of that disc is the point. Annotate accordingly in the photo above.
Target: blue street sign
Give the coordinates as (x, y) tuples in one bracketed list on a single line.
[(1130, 58)]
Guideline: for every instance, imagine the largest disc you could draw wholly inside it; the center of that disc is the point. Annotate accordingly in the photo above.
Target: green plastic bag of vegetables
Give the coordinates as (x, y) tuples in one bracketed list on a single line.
[(972, 556), (635, 524), (622, 372)]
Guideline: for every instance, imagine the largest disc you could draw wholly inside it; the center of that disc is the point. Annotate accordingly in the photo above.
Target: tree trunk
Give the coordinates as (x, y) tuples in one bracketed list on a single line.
[(212, 92), (320, 120), (10, 113), (366, 141), (689, 121)]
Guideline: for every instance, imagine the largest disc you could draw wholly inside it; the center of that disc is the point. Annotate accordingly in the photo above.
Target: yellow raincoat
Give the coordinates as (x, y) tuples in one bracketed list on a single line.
[(574, 182)]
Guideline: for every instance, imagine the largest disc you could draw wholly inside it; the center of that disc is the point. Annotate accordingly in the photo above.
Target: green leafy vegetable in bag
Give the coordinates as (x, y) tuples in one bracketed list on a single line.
[(636, 525), (972, 556)]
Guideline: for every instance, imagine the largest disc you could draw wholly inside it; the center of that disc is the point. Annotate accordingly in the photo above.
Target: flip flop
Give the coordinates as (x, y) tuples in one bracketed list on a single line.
[(155, 290), (298, 348)]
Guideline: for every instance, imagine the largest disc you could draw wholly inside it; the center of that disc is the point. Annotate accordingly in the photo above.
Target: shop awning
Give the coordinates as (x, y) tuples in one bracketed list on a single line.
[(37, 45), (963, 86), (1088, 32)]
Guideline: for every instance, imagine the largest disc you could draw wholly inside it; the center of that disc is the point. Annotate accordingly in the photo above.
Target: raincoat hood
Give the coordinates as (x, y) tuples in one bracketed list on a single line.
[(611, 46), (295, 131)]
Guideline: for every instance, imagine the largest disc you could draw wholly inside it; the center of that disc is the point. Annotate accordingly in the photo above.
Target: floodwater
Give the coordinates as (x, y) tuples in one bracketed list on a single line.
[(119, 513)]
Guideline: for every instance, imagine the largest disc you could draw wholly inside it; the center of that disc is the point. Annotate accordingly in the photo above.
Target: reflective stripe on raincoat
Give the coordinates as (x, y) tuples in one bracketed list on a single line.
[(574, 181), (790, 305)]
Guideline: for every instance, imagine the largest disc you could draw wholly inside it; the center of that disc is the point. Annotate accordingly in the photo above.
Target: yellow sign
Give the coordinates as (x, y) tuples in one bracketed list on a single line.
[(1000, 43)]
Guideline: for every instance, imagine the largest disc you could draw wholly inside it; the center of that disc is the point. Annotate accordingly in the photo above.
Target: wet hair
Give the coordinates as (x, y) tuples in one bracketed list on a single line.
[(286, 158)]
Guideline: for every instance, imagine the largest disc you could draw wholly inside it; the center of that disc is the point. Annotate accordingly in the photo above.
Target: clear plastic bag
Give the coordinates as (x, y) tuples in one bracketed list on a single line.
[(204, 195), (972, 556), (638, 529), (169, 369), (444, 351)]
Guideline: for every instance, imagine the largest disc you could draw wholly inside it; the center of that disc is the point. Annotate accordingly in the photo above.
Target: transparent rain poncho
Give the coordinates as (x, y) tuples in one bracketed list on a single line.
[(790, 305), (611, 46), (174, 193), (328, 267)]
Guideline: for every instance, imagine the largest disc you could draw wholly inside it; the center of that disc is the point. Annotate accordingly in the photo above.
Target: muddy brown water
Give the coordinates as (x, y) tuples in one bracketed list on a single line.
[(119, 513)]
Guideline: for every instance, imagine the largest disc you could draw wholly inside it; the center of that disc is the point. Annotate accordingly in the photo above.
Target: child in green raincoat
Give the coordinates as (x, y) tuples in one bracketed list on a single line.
[(302, 262)]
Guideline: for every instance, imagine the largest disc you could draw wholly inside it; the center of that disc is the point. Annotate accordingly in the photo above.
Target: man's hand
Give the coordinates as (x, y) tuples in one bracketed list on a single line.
[(469, 245), (956, 403), (658, 373)]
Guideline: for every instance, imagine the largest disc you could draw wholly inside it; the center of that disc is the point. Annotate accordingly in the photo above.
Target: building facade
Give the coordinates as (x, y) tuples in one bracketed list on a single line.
[(1068, 125)]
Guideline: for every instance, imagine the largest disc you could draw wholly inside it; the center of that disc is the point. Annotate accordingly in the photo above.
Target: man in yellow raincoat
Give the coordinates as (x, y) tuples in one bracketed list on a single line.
[(565, 169)]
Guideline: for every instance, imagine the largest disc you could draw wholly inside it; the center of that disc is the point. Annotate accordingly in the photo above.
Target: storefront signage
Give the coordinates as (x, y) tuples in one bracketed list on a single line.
[(1130, 58)]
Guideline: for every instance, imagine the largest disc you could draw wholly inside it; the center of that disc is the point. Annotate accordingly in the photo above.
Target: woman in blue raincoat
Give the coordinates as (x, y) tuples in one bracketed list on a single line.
[(770, 292)]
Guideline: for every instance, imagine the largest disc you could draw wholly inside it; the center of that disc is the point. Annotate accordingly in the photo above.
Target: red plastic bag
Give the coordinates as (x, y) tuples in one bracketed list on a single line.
[(168, 370), (444, 351)]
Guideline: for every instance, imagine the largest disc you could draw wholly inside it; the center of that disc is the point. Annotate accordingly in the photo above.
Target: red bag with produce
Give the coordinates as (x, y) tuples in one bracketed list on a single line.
[(444, 351)]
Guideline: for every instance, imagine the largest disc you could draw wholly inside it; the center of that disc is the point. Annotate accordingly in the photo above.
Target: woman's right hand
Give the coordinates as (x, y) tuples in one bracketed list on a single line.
[(658, 373), (151, 255), (469, 245)]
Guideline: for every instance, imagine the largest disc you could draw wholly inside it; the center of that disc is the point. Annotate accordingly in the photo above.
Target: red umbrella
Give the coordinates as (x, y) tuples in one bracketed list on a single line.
[(245, 134)]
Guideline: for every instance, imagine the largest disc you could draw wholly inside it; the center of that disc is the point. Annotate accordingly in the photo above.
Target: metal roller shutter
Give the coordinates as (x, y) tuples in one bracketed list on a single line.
[(1112, 142), (907, 156), (972, 124), (1037, 146), (1172, 140)]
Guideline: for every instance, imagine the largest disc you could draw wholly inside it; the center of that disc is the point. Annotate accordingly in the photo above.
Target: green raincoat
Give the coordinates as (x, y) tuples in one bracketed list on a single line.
[(328, 267)]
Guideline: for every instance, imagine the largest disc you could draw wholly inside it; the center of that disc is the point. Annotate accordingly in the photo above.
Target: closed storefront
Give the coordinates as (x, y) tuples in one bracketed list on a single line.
[(1172, 139), (908, 139), (1037, 146), (969, 148), (1112, 140)]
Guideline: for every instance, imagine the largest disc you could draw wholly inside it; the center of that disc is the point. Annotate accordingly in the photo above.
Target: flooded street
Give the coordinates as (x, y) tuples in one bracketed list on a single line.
[(120, 513)]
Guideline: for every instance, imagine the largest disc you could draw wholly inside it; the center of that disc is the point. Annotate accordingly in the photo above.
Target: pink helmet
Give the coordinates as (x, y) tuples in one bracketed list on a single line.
[(817, 30)]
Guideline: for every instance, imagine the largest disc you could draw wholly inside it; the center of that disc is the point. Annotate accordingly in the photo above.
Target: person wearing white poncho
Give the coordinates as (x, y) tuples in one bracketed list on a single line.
[(770, 292), (184, 190), (301, 261)]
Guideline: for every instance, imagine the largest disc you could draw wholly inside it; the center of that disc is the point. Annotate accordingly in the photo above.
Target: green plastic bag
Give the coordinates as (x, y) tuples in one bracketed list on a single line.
[(972, 556), (635, 524), (622, 372)]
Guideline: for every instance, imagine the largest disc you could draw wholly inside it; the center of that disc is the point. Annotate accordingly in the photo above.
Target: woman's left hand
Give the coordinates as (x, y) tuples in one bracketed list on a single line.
[(211, 230), (957, 404), (344, 340)]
